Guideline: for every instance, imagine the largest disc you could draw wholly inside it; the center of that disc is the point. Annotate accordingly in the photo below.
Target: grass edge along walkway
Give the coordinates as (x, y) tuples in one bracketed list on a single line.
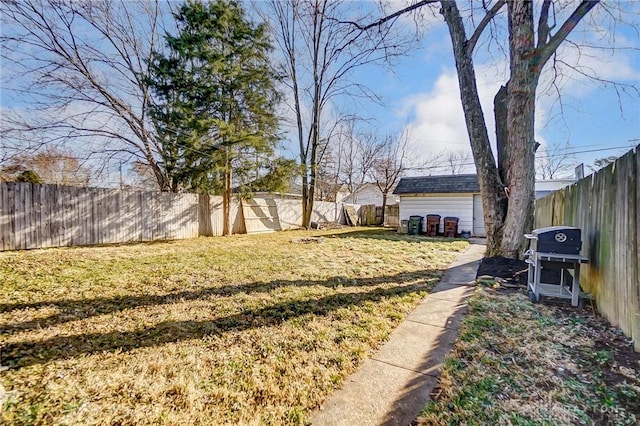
[(393, 386), (544, 364)]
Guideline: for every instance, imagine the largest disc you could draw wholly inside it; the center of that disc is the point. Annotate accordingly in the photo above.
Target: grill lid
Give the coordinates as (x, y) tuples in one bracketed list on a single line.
[(551, 229), (556, 239)]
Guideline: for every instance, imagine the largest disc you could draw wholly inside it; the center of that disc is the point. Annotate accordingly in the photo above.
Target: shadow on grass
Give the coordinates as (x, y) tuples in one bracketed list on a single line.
[(391, 235), (73, 309), (25, 353)]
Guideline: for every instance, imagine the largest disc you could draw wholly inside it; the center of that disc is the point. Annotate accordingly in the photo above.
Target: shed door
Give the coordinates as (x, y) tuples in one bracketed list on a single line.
[(478, 216)]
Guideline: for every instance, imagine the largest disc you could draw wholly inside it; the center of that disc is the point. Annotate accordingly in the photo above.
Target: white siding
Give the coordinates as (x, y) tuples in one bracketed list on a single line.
[(370, 194), (478, 217), (456, 205)]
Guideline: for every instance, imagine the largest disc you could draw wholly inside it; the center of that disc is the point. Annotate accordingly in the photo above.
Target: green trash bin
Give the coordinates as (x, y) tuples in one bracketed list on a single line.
[(415, 225)]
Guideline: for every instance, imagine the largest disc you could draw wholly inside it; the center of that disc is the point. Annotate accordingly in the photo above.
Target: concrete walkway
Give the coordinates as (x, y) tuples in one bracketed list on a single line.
[(393, 386)]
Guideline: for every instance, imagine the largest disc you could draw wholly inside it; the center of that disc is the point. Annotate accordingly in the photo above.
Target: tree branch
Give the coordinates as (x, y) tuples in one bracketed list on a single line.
[(390, 17), (542, 54), (471, 44), (543, 24)]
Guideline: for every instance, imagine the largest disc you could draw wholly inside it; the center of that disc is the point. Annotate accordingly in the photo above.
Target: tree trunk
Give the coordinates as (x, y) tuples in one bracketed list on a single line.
[(311, 193), (384, 205), (227, 226), (306, 211), (508, 217), (518, 166), (491, 187), (500, 114)]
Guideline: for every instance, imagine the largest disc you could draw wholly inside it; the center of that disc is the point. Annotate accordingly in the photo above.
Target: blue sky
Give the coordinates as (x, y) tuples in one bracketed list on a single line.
[(421, 92)]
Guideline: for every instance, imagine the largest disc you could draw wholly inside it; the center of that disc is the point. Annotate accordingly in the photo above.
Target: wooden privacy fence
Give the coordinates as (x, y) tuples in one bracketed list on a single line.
[(367, 215), (370, 214), (605, 206), (267, 214), (392, 216), (41, 216)]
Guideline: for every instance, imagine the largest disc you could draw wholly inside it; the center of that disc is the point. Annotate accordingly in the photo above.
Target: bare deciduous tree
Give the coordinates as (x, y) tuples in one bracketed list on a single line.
[(81, 68), (507, 187), (390, 165), (458, 161), (320, 51), (51, 165), (554, 160)]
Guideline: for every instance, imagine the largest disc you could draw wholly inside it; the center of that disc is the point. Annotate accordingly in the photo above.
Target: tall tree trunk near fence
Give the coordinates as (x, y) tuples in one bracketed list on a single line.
[(518, 157), (493, 196), (508, 187), (226, 199), (384, 207)]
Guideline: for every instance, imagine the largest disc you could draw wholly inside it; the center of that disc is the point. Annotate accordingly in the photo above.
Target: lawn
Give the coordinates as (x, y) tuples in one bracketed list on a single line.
[(235, 330), (545, 364)]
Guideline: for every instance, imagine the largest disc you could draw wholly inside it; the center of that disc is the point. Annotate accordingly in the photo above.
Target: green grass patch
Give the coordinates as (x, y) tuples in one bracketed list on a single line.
[(523, 364), (235, 330)]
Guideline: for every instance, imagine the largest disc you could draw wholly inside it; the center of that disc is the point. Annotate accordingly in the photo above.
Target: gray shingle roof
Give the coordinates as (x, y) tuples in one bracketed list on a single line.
[(449, 184)]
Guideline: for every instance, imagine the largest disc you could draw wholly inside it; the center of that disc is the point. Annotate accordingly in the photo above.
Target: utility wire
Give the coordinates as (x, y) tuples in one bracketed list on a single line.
[(541, 156)]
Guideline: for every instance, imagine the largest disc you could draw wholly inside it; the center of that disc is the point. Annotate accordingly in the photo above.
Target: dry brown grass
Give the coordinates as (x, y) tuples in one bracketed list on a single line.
[(239, 330)]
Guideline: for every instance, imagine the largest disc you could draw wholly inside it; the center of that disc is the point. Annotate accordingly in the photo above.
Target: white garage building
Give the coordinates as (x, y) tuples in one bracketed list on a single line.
[(453, 195)]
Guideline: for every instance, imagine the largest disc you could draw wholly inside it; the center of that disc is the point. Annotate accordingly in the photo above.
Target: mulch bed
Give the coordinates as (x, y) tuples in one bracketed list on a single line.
[(509, 270)]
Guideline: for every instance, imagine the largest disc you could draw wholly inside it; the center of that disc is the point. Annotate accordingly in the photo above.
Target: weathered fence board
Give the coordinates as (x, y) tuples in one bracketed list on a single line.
[(367, 214), (41, 216), (392, 216), (261, 215), (605, 207), (371, 214), (325, 212)]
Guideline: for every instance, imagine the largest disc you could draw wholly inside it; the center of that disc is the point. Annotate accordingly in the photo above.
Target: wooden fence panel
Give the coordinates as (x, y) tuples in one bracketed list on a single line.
[(635, 290), (260, 215), (392, 216), (41, 216), (367, 215), (605, 207), (326, 211), (289, 213)]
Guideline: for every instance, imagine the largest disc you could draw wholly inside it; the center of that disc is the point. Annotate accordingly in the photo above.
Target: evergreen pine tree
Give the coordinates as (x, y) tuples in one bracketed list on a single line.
[(214, 98)]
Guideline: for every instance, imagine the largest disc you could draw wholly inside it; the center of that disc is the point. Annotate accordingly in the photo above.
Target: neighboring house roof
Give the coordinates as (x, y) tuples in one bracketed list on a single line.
[(448, 184), (464, 184), (551, 185)]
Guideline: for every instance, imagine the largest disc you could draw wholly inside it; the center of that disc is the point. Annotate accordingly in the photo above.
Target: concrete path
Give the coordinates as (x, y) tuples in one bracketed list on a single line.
[(393, 386)]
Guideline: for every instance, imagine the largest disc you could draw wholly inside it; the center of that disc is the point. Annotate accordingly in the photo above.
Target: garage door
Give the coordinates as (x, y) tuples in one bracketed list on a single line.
[(478, 217)]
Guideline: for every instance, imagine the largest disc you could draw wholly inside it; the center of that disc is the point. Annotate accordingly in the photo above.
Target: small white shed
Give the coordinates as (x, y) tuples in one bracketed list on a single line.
[(456, 196), (452, 195)]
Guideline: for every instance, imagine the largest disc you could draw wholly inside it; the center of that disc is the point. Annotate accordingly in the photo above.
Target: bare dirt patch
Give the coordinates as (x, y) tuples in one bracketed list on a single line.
[(509, 270)]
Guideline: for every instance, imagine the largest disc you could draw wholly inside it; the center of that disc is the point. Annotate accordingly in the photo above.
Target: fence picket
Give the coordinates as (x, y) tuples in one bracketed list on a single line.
[(605, 206), (41, 216)]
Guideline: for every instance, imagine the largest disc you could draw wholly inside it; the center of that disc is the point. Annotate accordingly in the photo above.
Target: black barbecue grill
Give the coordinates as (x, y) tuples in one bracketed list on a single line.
[(554, 263)]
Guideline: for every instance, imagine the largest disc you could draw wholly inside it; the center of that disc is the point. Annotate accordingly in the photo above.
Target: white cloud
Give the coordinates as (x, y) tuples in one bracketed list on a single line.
[(579, 71), (436, 119)]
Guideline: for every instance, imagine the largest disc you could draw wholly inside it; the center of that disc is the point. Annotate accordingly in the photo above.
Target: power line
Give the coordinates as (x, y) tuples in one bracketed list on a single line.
[(444, 166)]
